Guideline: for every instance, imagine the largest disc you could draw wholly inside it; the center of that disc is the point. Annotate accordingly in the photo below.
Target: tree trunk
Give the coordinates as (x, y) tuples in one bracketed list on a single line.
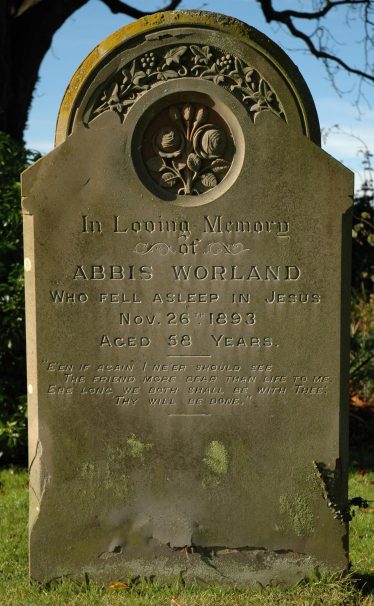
[(26, 31), (25, 37)]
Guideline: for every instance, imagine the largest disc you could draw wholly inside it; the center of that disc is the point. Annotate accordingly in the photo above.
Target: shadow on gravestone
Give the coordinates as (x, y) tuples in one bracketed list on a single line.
[(187, 270)]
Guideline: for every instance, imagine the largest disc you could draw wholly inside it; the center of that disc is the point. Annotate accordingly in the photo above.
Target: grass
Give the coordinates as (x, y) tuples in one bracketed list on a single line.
[(16, 590), (361, 483)]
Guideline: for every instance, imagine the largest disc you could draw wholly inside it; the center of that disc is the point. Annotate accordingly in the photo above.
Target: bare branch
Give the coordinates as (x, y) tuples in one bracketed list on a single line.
[(117, 6), (16, 9), (321, 13), (321, 52)]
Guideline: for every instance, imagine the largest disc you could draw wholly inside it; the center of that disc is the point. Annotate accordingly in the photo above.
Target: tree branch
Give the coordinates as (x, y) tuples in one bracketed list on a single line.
[(17, 8), (286, 17), (117, 6), (318, 14)]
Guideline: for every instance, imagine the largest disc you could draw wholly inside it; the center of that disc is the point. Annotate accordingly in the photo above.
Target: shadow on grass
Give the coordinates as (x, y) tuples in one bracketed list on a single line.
[(364, 583), (361, 431)]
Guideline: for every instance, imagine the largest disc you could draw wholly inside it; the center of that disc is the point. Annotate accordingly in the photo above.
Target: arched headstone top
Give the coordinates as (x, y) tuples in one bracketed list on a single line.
[(208, 49)]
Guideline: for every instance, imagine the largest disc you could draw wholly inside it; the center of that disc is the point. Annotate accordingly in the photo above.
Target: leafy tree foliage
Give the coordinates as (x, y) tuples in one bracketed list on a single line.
[(13, 159), (362, 314)]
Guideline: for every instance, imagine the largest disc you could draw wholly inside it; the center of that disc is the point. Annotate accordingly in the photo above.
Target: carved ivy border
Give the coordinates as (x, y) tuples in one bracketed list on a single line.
[(196, 61)]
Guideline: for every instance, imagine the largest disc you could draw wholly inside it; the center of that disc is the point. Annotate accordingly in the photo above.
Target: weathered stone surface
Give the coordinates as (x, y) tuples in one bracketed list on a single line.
[(187, 271)]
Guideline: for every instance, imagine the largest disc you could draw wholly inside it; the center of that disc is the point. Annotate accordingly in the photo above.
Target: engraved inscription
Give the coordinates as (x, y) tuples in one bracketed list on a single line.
[(198, 385), (212, 224), (181, 374)]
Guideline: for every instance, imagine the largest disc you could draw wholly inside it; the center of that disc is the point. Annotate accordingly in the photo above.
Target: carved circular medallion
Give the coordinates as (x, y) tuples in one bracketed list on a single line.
[(188, 149), (185, 141)]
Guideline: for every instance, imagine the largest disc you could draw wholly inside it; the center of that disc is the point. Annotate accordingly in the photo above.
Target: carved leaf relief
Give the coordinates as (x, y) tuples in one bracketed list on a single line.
[(123, 89)]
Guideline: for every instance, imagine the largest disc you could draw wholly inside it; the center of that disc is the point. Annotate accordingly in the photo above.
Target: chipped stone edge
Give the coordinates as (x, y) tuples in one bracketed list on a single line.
[(251, 36), (339, 512), (202, 567), (35, 448)]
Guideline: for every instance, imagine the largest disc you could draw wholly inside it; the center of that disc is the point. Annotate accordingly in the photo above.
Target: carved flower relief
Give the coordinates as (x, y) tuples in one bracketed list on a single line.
[(168, 143), (191, 157), (209, 142)]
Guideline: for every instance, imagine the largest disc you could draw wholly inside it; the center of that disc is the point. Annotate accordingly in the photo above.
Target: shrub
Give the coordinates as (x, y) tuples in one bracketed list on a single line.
[(13, 160), (362, 310)]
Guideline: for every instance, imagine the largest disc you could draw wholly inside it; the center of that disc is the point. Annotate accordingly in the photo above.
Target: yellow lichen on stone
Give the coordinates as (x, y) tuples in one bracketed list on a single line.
[(113, 472), (300, 517), (216, 460), (136, 449)]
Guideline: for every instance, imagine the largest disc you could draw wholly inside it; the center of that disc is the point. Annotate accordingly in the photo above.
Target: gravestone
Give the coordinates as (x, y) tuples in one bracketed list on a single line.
[(187, 280)]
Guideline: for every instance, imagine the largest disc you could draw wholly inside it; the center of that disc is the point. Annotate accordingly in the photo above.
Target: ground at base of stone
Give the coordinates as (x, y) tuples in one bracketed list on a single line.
[(16, 589)]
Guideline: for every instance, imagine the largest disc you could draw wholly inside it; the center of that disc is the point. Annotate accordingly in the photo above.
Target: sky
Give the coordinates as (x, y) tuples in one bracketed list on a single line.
[(94, 22)]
